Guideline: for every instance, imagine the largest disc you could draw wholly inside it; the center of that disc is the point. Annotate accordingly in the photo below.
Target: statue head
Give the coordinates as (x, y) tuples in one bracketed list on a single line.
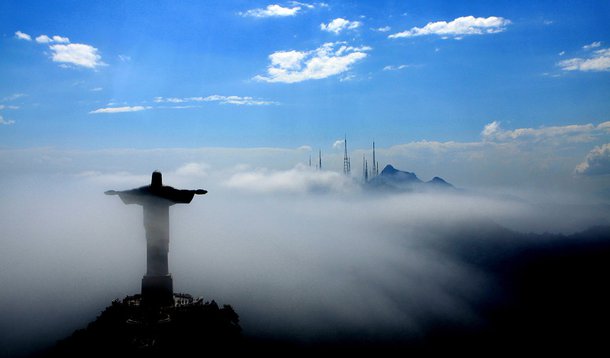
[(156, 181)]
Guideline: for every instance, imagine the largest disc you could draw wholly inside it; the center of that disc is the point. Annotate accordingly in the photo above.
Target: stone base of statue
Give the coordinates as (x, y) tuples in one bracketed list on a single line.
[(157, 290)]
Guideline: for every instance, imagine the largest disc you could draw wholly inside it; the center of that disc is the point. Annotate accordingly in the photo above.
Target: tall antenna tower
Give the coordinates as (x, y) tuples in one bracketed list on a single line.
[(346, 163), (320, 159), (375, 170), (365, 169)]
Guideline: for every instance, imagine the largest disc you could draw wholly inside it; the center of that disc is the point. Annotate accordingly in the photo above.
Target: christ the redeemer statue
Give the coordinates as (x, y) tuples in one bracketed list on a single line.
[(157, 287)]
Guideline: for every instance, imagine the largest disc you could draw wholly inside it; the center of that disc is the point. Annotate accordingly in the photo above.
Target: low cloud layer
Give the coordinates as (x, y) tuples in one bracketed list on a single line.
[(298, 267), (569, 133), (517, 159), (301, 180), (597, 162), (272, 235)]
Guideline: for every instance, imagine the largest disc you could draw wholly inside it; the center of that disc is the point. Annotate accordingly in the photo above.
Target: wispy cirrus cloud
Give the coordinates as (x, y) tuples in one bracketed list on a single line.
[(592, 45), (330, 59), (339, 25), (13, 97), (458, 28), (6, 122), (395, 68), (382, 29), (120, 109), (273, 10), (570, 133), (184, 103), (599, 61), (236, 100)]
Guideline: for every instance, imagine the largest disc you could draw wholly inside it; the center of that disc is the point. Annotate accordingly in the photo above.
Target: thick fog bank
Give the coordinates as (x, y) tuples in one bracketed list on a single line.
[(295, 266)]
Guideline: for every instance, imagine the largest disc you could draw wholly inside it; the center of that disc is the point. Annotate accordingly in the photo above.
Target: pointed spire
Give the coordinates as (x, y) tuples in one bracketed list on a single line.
[(375, 169), (346, 161), (320, 159), (365, 169)]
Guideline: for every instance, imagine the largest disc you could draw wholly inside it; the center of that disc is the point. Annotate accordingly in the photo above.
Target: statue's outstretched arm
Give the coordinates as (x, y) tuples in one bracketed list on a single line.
[(111, 192)]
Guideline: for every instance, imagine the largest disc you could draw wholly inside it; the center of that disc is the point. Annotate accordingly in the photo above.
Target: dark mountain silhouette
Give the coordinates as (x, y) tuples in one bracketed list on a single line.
[(440, 182), (393, 179), (129, 329)]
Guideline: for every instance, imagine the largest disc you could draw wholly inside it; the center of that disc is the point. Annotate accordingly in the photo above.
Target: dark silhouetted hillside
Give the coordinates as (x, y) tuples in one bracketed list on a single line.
[(125, 329)]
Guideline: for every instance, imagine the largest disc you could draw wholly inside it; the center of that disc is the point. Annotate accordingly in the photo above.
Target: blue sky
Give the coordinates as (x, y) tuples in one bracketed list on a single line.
[(246, 74)]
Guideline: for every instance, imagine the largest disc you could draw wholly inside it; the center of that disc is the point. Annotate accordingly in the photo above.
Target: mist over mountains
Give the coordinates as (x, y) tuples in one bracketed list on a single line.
[(345, 267), (393, 179)]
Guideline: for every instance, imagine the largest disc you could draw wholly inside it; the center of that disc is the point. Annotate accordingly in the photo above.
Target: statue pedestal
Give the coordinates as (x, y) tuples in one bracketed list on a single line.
[(157, 290)]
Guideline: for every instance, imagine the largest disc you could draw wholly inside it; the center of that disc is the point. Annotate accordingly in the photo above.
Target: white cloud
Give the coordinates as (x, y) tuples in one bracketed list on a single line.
[(43, 39), (60, 39), (198, 170), (528, 161), (120, 109), (466, 25), (3, 106), (236, 100), (272, 11), (599, 61), (299, 180), (348, 77), (305, 148), (570, 133), (490, 129), (23, 36), (395, 68), (96, 89), (540, 158), (124, 58), (383, 29), (13, 97), (325, 61), (309, 6), (562, 53), (547, 22), (77, 54), (597, 162), (339, 24), (338, 143), (6, 122), (592, 45)]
